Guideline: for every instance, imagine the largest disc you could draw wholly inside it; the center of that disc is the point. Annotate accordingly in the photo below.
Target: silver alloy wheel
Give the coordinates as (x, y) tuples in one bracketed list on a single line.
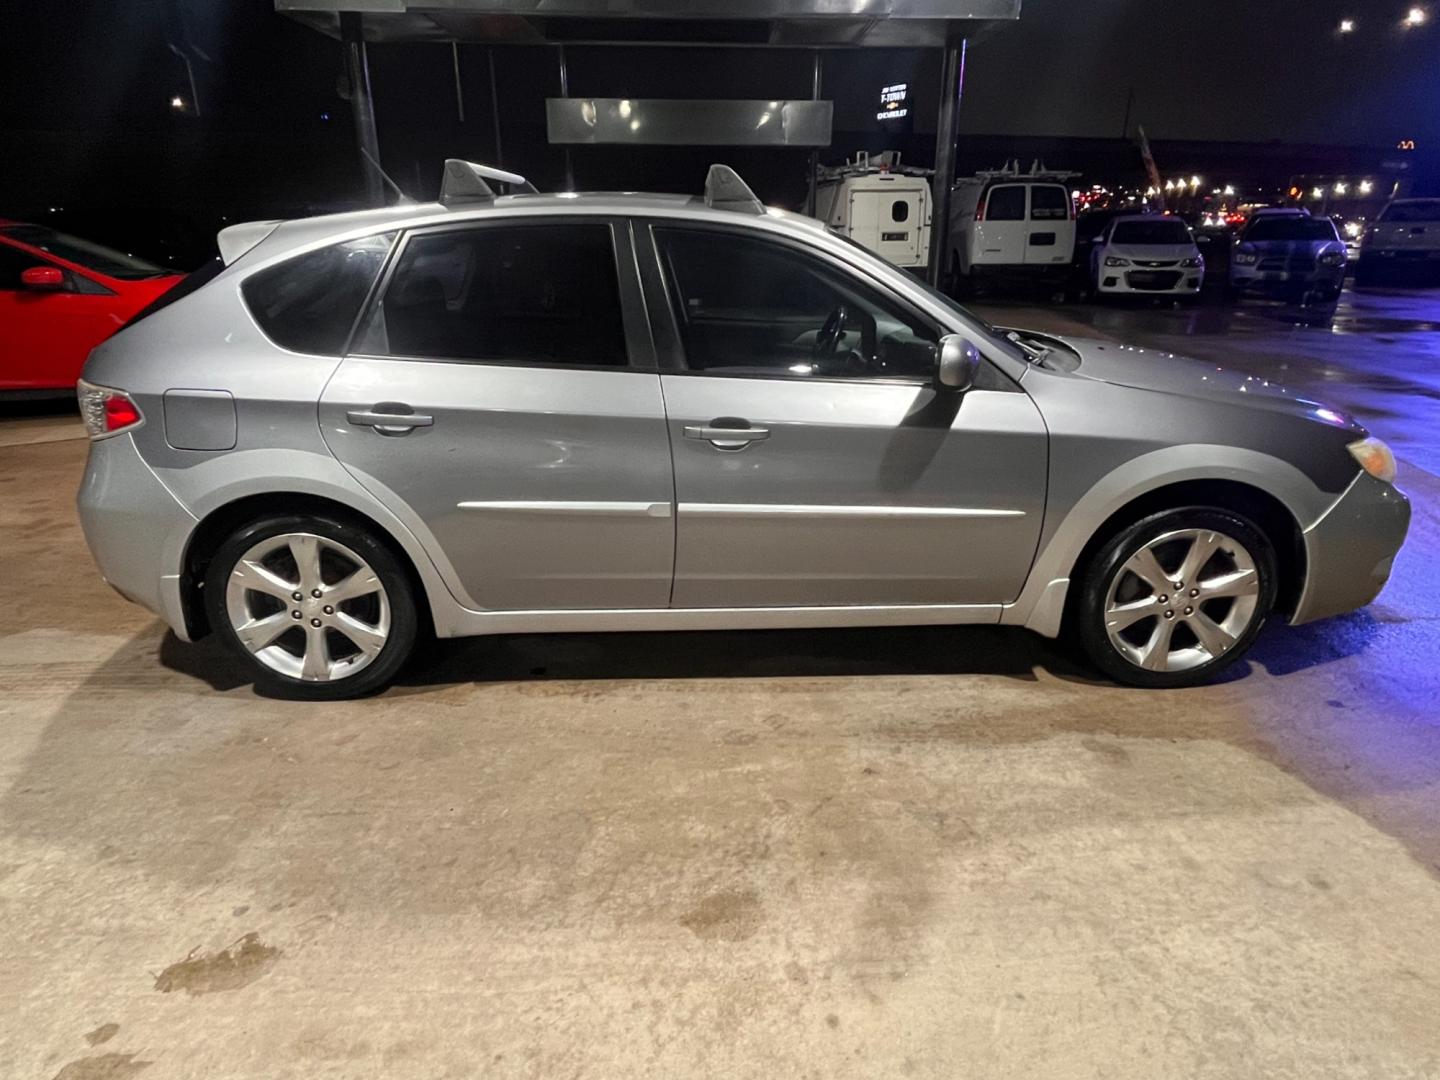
[(308, 607), (1182, 600)]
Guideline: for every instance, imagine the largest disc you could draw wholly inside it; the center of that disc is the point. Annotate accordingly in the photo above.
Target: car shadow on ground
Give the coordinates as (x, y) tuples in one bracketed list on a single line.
[(709, 654)]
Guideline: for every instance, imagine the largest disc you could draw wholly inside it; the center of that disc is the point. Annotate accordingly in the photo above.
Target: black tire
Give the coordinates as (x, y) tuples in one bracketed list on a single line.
[(1105, 565), (404, 619)]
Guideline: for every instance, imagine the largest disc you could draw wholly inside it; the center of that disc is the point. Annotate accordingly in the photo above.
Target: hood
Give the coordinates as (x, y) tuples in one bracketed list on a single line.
[(1153, 252), (1166, 373)]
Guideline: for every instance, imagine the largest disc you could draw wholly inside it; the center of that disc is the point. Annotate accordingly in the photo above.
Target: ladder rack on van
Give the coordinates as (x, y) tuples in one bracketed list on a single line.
[(1011, 171)]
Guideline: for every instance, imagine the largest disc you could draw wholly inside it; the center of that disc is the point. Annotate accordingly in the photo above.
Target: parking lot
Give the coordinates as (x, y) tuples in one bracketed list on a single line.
[(860, 853)]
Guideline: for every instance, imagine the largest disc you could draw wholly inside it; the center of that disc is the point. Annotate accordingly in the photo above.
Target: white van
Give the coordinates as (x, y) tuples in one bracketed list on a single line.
[(1010, 224), (880, 205)]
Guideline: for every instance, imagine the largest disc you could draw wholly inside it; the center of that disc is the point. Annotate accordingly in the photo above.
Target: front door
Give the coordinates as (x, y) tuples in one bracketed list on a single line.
[(493, 401), (815, 465)]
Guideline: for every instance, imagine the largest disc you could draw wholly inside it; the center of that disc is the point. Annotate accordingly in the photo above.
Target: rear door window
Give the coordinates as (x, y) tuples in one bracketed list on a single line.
[(309, 304), (1411, 212), (521, 294), (1006, 203), (1049, 202)]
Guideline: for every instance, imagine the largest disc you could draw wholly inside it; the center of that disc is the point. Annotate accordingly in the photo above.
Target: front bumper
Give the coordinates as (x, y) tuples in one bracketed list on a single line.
[(129, 518), (1249, 277), (1350, 551), (1179, 281)]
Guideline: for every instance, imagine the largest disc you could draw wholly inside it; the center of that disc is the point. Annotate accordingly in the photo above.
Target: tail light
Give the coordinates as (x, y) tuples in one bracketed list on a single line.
[(106, 411)]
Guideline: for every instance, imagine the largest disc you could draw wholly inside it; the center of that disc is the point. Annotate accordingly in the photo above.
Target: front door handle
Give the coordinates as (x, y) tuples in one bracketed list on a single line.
[(389, 418), (727, 433)]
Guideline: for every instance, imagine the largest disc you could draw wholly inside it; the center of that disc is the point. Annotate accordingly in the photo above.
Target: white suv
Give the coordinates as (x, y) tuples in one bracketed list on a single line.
[(1405, 239)]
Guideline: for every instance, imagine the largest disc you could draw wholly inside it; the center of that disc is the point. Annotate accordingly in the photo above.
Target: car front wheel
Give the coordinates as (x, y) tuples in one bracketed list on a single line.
[(1176, 598), (315, 608)]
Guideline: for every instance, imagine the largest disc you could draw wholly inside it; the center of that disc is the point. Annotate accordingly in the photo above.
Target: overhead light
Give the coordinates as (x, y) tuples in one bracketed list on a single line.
[(1341, 188), (177, 102), (1366, 187), (1416, 16), (1229, 189), (1347, 26), (1194, 181), (1318, 193)]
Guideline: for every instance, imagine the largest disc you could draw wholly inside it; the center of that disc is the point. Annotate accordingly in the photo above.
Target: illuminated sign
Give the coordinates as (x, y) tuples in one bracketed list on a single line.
[(894, 102), (1405, 144)]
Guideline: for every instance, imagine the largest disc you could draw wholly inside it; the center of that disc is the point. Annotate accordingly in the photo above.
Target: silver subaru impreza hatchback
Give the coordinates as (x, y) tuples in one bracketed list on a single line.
[(599, 412)]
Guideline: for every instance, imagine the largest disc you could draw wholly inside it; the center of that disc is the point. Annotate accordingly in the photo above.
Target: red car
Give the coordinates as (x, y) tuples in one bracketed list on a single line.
[(60, 297)]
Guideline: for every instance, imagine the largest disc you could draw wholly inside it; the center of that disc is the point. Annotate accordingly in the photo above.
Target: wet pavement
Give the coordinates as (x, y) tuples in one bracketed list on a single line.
[(843, 854)]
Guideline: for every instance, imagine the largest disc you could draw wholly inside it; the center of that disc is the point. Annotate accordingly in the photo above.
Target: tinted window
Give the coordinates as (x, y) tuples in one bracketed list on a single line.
[(506, 294), (1160, 231), (1049, 202), (309, 303), (92, 256), (899, 210), (1419, 210), (752, 306), (1267, 229), (1006, 203)]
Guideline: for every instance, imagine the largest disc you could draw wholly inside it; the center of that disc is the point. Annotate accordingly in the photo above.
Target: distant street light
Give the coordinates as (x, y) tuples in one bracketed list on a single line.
[(1341, 188), (1416, 16), (1366, 187), (177, 103), (1318, 193), (1347, 26)]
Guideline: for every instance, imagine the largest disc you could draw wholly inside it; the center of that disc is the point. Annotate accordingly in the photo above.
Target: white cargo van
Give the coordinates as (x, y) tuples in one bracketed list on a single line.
[(880, 205), (1011, 225)]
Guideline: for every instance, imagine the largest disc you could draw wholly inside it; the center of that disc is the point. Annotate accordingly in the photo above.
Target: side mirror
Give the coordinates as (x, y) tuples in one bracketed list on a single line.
[(958, 365), (42, 278), (1203, 239)]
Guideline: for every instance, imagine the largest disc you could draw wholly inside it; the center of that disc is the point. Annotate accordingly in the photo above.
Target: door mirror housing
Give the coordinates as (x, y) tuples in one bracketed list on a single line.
[(958, 365), (42, 277)]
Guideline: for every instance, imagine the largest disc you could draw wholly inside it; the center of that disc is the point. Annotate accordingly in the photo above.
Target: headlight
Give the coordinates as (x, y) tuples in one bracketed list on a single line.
[(1375, 458), (1111, 260), (1246, 258), (1332, 258), (1192, 263)]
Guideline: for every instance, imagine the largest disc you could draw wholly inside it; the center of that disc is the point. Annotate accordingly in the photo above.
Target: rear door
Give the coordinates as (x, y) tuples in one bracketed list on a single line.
[(1000, 229), (888, 216), (1050, 235), (501, 397)]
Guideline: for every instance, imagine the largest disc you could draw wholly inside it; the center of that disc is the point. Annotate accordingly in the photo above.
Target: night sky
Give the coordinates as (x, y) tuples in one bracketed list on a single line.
[(88, 123)]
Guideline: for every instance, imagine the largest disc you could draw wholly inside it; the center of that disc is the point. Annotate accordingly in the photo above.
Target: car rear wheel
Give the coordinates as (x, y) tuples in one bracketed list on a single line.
[(315, 608), (1176, 598)]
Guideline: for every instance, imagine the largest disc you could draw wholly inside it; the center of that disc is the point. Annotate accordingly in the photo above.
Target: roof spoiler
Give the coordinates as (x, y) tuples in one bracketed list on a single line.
[(724, 190), (464, 182), (235, 240)]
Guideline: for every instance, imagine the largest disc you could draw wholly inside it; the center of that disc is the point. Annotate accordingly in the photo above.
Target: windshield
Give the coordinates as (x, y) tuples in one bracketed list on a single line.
[(1267, 229), (1419, 210), (102, 260), (1151, 232), (993, 335)]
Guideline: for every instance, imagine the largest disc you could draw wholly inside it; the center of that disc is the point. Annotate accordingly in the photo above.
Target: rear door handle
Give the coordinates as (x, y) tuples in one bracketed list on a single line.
[(389, 418), (727, 433)]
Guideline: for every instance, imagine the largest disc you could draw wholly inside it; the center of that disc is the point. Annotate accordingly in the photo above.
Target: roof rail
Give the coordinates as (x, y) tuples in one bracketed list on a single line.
[(464, 182), (724, 190)]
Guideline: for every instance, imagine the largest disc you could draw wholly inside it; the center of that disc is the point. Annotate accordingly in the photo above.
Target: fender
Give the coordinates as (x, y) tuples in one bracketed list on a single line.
[(211, 485), (1041, 604)]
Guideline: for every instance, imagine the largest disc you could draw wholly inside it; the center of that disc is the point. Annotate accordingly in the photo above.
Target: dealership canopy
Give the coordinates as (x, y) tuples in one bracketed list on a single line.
[(811, 24)]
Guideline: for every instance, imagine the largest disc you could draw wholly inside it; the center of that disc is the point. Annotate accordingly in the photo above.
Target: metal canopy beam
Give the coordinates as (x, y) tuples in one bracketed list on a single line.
[(751, 23)]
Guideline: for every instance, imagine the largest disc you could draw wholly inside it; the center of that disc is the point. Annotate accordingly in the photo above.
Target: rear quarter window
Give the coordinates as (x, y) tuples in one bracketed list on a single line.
[(309, 304)]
